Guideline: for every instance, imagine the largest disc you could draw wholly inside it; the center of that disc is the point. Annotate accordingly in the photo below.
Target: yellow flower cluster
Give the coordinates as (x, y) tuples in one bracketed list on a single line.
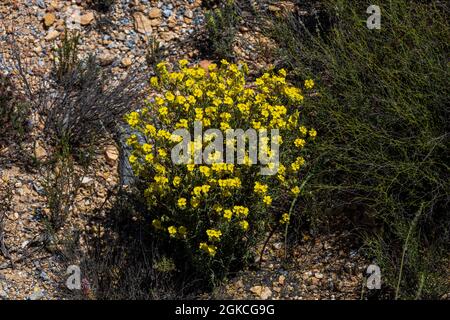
[(284, 218), (203, 204), (214, 235), (309, 84), (173, 231), (209, 249)]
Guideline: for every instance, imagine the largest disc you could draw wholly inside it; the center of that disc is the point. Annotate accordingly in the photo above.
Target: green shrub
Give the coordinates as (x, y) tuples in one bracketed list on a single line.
[(382, 113), (67, 56), (211, 215), (154, 53), (221, 28), (14, 112), (102, 5), (86, 101)]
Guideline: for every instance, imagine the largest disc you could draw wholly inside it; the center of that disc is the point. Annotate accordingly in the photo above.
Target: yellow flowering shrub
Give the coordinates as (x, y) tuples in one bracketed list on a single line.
[(216, 211)]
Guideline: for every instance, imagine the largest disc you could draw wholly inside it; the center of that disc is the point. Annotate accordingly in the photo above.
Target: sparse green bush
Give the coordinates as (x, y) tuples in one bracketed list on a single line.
[(382, 113), (123, 260), (67, 55), (61, 184), (14, 112), (153, 54), (221, 27), (102, 5), (6, 195), (83, 103)]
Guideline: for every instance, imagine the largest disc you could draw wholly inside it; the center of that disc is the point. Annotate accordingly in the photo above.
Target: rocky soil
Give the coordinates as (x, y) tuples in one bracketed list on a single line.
[(326, 266)]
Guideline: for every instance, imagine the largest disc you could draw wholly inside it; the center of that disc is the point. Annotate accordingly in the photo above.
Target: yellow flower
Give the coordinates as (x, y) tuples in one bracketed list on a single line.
[(195, 202), (131, 140), (206, 122), (225, 116), (189, 82), (191, 99), (176, 181), (303, 130), (217, 102), (297, 163), (234, 68), (182, 202), (205, 189), (132, 159), (256, 125), (224, 126), (164, 134), (169, 96), (183, 62), (180, 99), (309, 84), (161, 65), (227, 214), (299, 142), (149, 157), (213, 235), (295, 190), (197, 191), (247, 161), (243, 224), (162, 153), (312, 133), (279, 140), (175, 138), (154, 81), (229, 183), (133, 119), (228, 101), (259, 82), (198, 93), (182, 123), (300, 160), (267, 200), (174, 76), (160, 169), (172, 231), (294, 94), (161, 180), (284, 218), (210, 249), (260, 188), (150, 129), (241, 211), (147, 148), (163, 111), (198, 114)]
